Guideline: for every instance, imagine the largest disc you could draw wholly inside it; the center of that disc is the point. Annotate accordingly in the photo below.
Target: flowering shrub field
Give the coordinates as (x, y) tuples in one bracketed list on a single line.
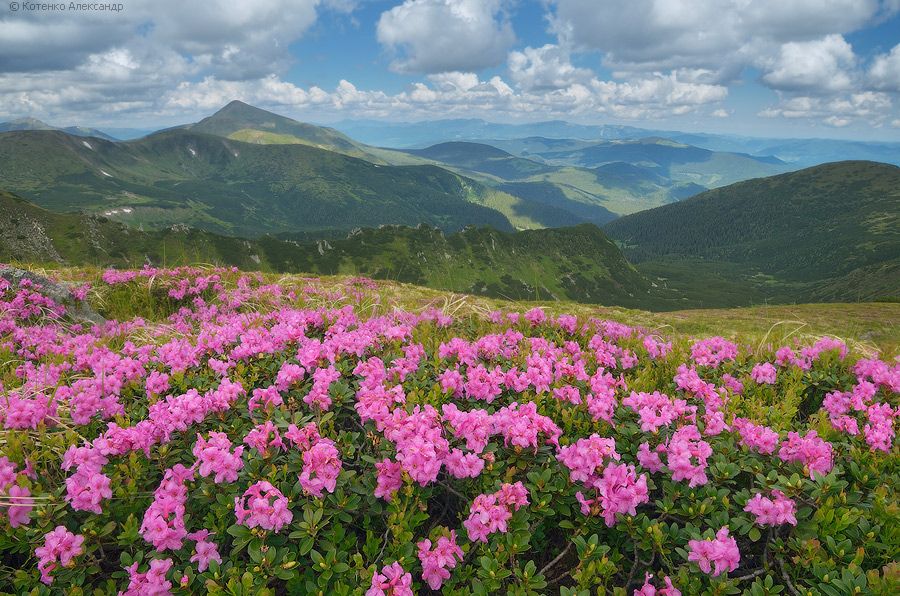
[(230, 434)]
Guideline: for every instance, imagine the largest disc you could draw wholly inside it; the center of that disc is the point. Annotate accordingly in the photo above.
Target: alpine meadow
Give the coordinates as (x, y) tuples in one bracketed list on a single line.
[(462, 297)]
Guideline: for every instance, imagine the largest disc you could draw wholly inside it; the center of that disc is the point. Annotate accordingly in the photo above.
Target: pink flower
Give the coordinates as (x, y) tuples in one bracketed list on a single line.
[(764, 373), (259, 438), (157, 383), (153, 582), (811, 451), (713, 351), (215, 457), (586, 456), (489, 513), (536, 316), (322, 379), (650, 459), (757, 438), (163, 523), (321, 467), (20, 505), (437, 562), (649, 589), (288, 375), (721, 552), (389, 480), (205, 551), (60, 546), (463, 465), (392, 581), (771, 512), (684, 449), (621, 491), (264, 506), (265, 399), (86, 489)]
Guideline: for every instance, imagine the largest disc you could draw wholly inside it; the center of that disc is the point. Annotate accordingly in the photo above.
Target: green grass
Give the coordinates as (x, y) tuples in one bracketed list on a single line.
[(868, 328)]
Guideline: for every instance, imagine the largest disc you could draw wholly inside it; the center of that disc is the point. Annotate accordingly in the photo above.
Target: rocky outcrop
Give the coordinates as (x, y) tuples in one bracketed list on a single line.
[(77, 310)]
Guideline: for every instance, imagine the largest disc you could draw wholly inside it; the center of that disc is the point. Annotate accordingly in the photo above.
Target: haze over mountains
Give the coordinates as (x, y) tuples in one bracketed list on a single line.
[(248, 187), (797, 152)]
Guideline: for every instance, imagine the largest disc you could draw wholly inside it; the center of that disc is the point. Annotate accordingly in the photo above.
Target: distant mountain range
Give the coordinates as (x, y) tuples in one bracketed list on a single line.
[(255, 189), (232, 187), (799, 153), (35, 124), (831, 232), (828, 233)]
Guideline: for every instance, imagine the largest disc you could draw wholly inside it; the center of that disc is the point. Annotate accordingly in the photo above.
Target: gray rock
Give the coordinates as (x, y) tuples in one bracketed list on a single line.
[(77, 310)]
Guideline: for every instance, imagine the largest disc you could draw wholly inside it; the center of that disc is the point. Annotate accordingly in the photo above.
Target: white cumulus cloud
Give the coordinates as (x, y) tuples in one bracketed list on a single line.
[(824, 64), (431, 36), (885, 70), (547, 67)]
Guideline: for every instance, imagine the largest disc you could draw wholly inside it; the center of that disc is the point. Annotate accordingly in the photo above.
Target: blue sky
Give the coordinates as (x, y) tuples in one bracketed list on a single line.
[(809, 68)]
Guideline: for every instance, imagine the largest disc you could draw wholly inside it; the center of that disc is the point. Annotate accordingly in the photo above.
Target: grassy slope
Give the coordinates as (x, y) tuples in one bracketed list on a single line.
[(829, 232), (578, 263), (869, 328)]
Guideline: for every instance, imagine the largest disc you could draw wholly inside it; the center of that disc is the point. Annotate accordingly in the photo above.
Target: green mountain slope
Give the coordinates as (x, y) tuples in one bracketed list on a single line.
[(231, 187), (829, 232), (577, 263), (242, 122), (597, 195)]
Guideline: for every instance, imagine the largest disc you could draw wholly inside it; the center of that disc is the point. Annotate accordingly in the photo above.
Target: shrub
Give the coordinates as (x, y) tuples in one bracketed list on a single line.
[(305, 439)]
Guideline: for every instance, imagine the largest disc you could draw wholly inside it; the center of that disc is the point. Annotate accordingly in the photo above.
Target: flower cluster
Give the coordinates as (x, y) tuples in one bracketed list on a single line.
[(412, 437), (721, 552), (263, 506), (490, 513), (438, 561)]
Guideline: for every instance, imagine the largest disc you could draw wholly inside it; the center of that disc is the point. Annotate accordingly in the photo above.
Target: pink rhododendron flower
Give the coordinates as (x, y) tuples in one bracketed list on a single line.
[(321, 467), (649, 589), (463, 465), (152, 582), (813, 452), (721, 552), (263, 506), (59, 549), (389, 480), (265, 438), (686, 455), (392, 581), (20, 505), (215, 457), (772, 512), (713, 351), (205, 550), (620, 490), (489, 513), (764, 373), (585, 457), (757, 438), (265, 399), (438, 561)]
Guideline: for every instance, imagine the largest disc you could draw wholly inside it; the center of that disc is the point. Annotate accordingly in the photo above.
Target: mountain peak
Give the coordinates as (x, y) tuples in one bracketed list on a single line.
[(237, 108)]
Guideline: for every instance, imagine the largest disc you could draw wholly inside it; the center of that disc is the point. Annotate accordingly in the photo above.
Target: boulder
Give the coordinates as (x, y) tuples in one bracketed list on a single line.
[(77, 310)]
